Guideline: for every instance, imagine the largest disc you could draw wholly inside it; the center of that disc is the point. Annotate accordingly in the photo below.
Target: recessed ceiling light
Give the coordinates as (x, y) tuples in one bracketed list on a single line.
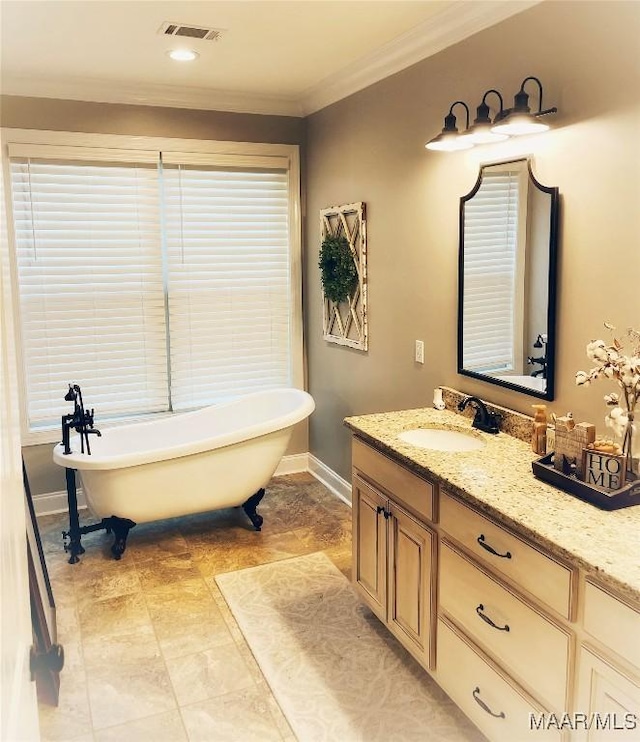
[(183, 55)]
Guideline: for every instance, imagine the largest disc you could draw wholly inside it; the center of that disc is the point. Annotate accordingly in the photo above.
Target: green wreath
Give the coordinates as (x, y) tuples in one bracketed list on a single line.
[(338, 271)]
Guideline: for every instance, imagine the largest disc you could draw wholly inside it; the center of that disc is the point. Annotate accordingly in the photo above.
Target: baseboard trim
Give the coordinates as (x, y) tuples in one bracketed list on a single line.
[(331, 480), (51, 503), (293, 464)]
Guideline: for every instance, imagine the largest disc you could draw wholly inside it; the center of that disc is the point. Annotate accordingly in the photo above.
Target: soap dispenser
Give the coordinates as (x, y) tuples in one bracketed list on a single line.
[(551, 434), (539, 430)]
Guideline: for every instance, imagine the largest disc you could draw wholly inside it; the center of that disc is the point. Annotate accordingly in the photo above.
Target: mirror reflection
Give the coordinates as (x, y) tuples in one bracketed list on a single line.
[(506, 313)]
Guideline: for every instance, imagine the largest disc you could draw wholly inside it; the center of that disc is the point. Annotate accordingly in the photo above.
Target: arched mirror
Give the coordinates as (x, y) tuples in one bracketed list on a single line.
[(507, 279)]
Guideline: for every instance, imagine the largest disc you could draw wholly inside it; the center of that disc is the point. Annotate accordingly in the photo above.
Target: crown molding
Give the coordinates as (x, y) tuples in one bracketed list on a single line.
[(456, 22), (453, 24), (167, 96)]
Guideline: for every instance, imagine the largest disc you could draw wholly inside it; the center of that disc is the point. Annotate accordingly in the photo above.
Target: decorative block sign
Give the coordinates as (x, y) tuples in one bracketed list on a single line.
[(605, 470), (571, 439)]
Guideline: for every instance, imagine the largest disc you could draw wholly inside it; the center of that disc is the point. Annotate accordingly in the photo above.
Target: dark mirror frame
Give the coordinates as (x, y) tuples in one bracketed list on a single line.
[(551, 286)]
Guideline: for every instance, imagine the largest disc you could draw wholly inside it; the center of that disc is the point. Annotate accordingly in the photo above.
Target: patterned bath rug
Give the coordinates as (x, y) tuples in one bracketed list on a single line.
[(336, 673)]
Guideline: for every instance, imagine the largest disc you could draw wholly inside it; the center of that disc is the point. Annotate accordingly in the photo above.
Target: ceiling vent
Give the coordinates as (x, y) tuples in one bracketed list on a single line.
[(184, 30)]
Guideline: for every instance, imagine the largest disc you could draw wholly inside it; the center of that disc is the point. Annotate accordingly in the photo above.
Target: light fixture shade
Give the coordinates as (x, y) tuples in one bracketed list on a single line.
[(484, 134), (480, 132), (449, 140), (449, 143), (517, 124), (519, 120)]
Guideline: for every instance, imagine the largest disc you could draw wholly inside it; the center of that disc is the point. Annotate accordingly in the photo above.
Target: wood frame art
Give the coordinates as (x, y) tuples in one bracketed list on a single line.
[(345, 323)]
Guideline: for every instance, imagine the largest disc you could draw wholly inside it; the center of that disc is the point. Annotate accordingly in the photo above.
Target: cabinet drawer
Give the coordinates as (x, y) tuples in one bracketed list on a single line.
[(494, 703), (407, 488), (523, 641), (613, 623), (539, 574)]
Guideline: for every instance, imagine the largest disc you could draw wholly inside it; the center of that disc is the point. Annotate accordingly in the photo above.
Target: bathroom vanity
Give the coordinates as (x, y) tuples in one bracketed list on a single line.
[(522, 602)]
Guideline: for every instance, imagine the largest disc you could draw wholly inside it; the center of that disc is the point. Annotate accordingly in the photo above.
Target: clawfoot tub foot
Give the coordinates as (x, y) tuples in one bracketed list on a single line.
[(120, 528), (250, 506)]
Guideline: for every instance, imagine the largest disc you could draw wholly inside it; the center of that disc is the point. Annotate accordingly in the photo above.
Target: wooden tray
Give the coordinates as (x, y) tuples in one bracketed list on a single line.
[(614, 500)]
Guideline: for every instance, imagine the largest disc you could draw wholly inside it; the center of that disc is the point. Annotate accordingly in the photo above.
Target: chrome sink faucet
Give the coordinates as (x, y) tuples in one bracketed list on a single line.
[(488, 422)]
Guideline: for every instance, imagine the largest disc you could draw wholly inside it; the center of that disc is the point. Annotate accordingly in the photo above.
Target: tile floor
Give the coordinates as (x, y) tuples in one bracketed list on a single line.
[(152, 650)]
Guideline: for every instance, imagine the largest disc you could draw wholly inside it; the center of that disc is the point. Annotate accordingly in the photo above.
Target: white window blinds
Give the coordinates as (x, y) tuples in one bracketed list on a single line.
[(228, 251), (490, 272), (156, 287), (87, 238)]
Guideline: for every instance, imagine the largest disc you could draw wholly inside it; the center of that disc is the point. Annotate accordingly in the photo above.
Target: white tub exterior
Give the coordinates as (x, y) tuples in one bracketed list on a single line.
[(213, 458)]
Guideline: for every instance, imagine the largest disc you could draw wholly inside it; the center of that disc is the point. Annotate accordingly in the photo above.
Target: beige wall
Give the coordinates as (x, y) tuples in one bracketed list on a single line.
[(148, 121), (370, 147), (103, 118)]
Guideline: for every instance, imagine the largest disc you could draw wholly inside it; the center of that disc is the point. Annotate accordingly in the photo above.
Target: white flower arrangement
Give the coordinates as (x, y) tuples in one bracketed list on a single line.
[(611, 363)]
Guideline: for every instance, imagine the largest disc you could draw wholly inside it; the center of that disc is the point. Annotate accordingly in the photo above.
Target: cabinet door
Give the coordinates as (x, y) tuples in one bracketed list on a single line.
[(410, 583), (370, 546), (608, 702)]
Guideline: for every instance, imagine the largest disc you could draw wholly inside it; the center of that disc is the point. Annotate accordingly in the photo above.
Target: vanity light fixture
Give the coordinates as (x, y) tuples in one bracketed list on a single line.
[(481, 132), (449, 139), (519, 119), (508, 122), (183, 55)]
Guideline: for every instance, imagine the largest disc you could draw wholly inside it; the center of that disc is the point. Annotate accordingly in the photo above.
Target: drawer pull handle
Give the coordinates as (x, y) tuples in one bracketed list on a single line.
[(484, 706), (486, 619), (490, 549)]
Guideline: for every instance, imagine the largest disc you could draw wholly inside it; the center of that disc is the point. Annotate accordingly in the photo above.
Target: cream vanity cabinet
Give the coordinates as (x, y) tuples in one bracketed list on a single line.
[(608, 669), (500, 603), (394, 548), (514, 632)]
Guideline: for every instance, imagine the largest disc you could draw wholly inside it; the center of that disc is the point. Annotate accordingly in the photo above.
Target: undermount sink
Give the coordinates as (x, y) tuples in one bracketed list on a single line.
[(439, 439)]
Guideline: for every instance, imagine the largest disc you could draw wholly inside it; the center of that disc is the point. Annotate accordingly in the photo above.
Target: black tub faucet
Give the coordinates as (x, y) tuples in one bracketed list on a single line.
[(488, 422), (541, 342), (81, 421)]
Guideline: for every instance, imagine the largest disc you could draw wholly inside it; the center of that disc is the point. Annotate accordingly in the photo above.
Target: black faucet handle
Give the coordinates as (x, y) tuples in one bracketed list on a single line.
[(492, 422)]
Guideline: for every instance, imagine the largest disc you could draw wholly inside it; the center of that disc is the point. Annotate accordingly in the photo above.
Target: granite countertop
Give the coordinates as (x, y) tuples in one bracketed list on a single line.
[(498, 480)]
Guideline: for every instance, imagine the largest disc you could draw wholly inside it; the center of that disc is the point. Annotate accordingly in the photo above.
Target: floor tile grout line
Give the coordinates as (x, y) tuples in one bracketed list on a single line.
[(272, 553), (82, 647)]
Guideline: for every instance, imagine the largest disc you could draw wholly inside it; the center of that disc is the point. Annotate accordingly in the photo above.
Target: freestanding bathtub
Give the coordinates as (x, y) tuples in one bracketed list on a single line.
[(213, 458)]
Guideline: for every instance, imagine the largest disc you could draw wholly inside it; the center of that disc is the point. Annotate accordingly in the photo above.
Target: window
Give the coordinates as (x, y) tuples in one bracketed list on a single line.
[(228, 266), (158, 281), (494, 249)]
